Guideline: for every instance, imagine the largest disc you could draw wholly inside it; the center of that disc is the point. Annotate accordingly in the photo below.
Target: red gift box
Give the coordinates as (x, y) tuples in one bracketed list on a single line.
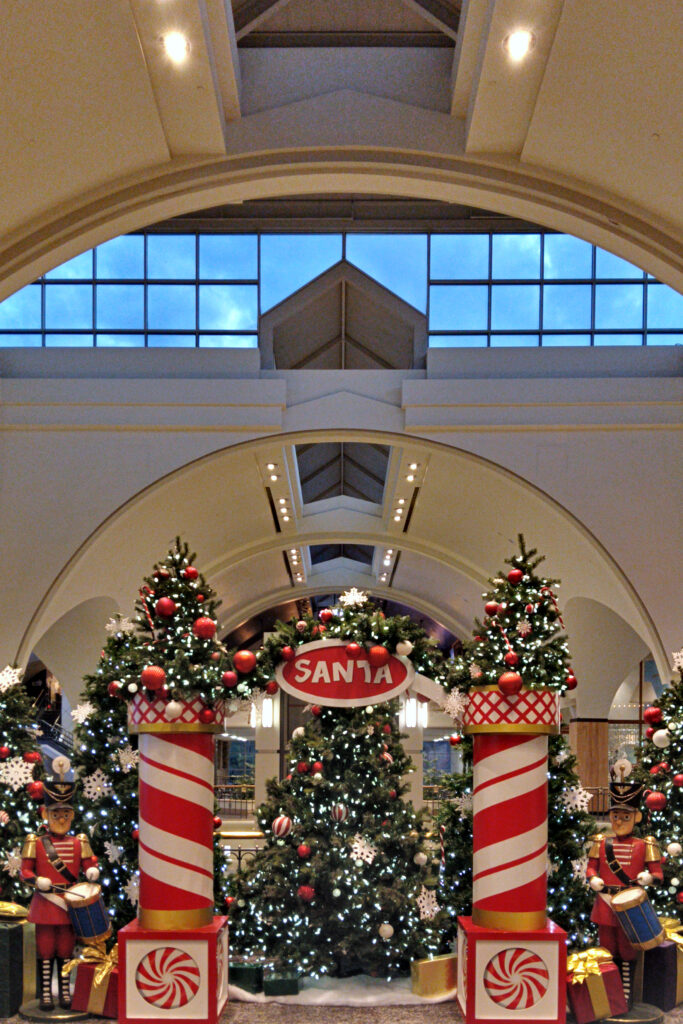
[(600, 995), (102, 1000)]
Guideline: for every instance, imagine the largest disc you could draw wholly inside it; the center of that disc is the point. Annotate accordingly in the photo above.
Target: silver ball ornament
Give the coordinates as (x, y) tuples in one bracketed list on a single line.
[(385, 930), (662, 738), (674, 849), (420, 858)]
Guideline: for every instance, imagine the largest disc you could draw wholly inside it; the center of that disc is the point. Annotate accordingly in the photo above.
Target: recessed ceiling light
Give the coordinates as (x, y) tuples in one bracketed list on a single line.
[(410, 478), (401, 501), (176, 46), (413, 465), (273, 477), (387, 561), (285, 519), (397, 519), (283, 501), (390, 551), (519, 43)]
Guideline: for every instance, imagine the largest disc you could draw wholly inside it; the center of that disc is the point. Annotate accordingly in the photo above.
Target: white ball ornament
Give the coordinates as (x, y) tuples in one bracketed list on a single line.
[(173, 710), (674, 849), (662, 738), (299, 731), (359, 863), (336, 893), (132, 687), (369, 710), (385, 931), (404, 648), (301, 626), (420, 858), (676, 882)]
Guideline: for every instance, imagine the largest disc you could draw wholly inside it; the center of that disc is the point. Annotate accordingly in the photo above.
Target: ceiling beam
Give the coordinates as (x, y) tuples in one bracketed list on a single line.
[(253, 13), (437, 13)]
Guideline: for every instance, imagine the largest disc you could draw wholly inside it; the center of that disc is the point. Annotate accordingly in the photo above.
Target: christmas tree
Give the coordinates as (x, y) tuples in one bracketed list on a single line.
[(21, 788), (170, 649), (660, 768), (346, 880), (521, 641)]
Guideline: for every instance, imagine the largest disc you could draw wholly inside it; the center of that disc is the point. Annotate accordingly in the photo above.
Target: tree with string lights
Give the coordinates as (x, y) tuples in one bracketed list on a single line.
[(346, 880), (21, 787), (520, 641), (166, 649)]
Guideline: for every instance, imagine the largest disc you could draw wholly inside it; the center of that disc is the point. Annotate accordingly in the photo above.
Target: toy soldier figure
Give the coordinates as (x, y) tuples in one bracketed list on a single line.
[(52, 862), (617, 862)]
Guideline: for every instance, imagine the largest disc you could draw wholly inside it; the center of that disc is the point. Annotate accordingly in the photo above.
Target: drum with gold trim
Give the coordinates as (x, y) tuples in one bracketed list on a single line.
[(637, 917), (87, 912)]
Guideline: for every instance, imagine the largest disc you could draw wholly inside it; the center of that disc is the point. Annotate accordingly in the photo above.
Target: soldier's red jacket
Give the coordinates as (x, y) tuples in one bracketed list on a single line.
[(633, 855), (76, 855)]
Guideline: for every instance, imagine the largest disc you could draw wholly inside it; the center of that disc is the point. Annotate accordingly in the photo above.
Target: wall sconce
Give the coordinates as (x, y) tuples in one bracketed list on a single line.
[(252, 717), (267, 713), (411, 713), (423, 714)]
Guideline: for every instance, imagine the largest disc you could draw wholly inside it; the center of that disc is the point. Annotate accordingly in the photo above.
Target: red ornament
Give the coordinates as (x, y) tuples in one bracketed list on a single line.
[(320, 629), (32, 757), (317, 766), (510, 683), (288, 778), (652, 715), (165, 607), (204, 628), (491, 608), (162, 574), (353, 650), (244, 661), (386, 728), (316, 711), (655, 800), (663, 766), (190, 573), (326, 614), (207, 716), (281, 826), (272, 687), (304, 851), (4, 752), (654, 770), (114, 688), (302, 767), (529, 609), (36, 790), (393, 794), (501, 609), (229, 900), (217, 822), (306, 893), (153, 677), (135, 834), (678, 780), (455, 740), (215, 656), (679, 897), (200, 599), (511, 658), (288, 653), (571, 681), (515, 576), (378, 656), (229, 679), (649, 732), (162, 693)]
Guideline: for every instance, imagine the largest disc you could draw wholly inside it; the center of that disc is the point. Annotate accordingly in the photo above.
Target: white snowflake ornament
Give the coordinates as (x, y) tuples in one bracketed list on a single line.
[(362, 850), (9, 677), (97, 785), (427, 904), (113, 852), (475, 671), (128, 758), (579, 868), (455, 704), (15, 773), (576, 798), (120, 624), (83, 711), (523, 627), (12, 862), (353, 597), (678, 658), (132, 889), (463, 803)]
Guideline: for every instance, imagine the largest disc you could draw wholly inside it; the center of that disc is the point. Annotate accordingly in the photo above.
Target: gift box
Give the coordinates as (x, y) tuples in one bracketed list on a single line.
[(246, 973), (594, 986), (17, 958), (435, 976), (663, 968), (96, 989), (281, 984)]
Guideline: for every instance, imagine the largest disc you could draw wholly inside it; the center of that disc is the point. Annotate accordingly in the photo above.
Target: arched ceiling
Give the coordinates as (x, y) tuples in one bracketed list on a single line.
[(102, 134), (445, 523)]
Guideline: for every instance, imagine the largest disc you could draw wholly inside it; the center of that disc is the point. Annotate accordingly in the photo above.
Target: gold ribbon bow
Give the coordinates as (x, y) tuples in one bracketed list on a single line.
[(581, 965), (14, 910), (104, 964), (672, 929)]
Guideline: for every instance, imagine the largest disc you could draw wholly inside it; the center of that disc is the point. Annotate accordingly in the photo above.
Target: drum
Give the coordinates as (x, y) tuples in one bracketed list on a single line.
[(637, 917), (88, 914)]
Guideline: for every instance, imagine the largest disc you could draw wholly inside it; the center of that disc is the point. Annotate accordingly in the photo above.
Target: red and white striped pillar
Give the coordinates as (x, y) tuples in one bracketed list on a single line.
[(510, 805)]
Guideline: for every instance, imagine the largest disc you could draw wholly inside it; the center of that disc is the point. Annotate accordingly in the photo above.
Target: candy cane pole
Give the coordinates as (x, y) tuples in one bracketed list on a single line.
[(176, 816), (510, 805)]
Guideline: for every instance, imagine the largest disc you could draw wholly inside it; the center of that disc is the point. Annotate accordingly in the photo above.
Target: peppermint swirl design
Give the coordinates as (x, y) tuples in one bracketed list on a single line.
[(516, 978), (282, 826), (167, 978)]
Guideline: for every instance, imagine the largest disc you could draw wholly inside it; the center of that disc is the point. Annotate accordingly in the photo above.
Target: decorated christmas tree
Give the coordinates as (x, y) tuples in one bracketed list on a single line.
[(168, 650), (21, 788), (520, 642), (660, 769), (346, 881)]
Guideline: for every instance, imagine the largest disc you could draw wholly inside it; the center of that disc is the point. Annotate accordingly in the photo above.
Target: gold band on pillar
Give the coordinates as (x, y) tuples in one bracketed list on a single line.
[(524, 728), (510, 920), (164, 727), (162, 920)]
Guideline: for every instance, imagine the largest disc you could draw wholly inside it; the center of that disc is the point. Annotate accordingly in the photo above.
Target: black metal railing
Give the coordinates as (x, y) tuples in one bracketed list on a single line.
[(54, 732), (235, 799)]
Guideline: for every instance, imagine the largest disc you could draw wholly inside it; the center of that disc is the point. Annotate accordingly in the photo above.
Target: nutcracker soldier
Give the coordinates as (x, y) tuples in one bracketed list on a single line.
[(617, 862), (52, 862)]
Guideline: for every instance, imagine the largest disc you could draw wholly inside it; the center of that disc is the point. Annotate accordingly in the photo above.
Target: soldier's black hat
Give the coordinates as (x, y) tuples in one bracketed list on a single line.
[(625, 796), (58, 793)]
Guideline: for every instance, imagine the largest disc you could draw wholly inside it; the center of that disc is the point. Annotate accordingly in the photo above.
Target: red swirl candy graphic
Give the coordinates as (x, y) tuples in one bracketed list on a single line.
[(167, 977), (516, 978)]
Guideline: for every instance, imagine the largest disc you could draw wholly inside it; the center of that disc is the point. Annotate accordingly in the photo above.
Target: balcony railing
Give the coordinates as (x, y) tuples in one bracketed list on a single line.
[(235, 799)]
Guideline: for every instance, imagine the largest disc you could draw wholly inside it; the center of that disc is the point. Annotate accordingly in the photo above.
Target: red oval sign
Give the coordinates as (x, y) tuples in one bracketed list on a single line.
[(322, 671)]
